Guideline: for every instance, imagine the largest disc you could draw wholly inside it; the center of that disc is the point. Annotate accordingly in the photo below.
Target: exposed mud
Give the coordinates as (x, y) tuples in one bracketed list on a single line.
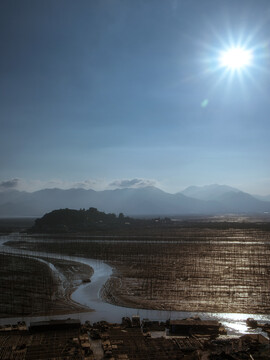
[(31, 287), (203, 270)]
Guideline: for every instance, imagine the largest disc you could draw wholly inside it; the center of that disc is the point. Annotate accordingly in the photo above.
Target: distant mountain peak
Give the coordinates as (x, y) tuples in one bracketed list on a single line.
[(141, 201), (208, 192), (211, 187)]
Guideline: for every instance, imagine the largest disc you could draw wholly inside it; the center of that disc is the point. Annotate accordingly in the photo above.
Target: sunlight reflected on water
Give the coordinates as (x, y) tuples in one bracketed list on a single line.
[(89, 294)]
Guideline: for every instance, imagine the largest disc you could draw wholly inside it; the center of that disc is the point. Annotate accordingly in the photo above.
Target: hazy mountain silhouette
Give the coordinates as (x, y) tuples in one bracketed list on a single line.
[(212, 199), (208, 192), (261, 197)]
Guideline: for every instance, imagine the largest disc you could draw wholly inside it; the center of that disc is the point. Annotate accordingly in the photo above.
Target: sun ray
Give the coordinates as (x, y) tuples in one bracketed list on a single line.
[(230, 59), (254, 82)]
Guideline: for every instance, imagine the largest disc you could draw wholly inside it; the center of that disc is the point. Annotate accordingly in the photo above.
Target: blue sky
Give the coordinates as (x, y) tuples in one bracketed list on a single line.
[(103, 91)]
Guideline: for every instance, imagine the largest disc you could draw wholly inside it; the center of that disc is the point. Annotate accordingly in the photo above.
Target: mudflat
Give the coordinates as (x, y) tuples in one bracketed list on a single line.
[(30, 287), (224, 269)]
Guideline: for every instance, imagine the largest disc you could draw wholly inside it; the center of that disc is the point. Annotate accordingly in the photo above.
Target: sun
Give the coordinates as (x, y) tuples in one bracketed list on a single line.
[(235, 58)]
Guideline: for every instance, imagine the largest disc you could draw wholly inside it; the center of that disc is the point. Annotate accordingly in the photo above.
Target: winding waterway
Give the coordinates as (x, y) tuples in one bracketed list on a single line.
[(89, 295)]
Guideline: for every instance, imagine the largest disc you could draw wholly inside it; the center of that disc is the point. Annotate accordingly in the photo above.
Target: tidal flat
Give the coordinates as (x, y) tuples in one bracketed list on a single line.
[(199, 269), (32, 287)]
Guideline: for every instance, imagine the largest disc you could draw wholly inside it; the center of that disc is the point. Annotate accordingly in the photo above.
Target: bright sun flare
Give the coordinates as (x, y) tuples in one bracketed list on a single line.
[(235, 58)]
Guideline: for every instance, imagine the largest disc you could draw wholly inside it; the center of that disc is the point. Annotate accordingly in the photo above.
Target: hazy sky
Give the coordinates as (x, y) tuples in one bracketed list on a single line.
[(101, 92)]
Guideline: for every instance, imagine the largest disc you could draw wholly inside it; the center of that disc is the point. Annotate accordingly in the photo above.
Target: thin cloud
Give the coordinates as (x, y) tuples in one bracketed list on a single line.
[(132, 183), (87, 184), (9, 184), (31, 185)]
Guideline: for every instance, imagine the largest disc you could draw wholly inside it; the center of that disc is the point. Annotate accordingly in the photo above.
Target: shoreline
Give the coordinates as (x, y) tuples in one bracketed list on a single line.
[(64, 278), (161, 287), (112, 310)]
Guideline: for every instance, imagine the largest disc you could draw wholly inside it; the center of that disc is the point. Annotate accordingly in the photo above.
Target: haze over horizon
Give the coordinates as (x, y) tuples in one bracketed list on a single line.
[(104, 94), (35, 186)]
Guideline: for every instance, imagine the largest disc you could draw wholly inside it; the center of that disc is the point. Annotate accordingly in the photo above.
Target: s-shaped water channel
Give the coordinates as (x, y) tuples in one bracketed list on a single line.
[(89, 295)]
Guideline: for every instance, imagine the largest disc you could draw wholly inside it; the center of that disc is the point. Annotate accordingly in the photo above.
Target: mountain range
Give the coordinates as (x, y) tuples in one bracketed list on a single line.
[(146, 201)]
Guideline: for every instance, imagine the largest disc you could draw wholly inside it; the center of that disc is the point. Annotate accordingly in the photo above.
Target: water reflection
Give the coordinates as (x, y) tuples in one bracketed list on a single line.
[(89, 295)]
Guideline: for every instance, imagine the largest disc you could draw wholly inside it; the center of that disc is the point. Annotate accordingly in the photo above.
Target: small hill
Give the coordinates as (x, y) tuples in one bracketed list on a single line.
[(68, 220), (135, 202)]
